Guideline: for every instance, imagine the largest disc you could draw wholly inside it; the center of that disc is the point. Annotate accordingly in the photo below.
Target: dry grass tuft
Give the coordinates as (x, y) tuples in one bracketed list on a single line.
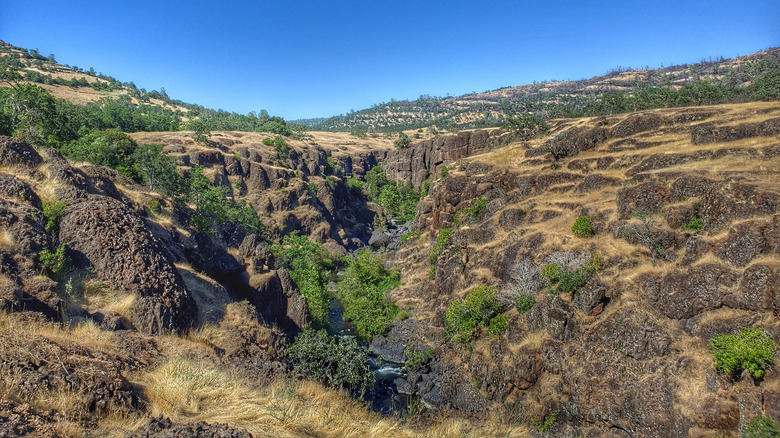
[(7, 239), (189, 390)]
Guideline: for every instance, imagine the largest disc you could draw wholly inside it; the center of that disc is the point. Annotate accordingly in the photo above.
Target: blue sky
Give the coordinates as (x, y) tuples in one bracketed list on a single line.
[(314, 58)]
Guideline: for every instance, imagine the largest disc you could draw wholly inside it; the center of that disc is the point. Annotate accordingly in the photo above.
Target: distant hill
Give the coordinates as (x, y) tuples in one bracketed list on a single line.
[(621, 90), (131, 108)]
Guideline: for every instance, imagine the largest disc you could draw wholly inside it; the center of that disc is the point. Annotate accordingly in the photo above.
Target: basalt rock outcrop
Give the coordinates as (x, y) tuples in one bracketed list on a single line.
[(422, 160), (103, 233), (628, 353)]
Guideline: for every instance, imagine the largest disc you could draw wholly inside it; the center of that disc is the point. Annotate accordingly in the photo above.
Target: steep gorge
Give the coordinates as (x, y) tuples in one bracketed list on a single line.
[(625, 355)]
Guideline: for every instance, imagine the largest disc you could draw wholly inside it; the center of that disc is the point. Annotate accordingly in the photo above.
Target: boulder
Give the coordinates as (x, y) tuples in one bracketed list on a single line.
[(552, 314), (15, 152), (104, 233), (159, 427)]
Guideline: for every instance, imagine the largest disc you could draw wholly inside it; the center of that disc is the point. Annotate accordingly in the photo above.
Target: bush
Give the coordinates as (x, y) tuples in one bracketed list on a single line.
[(547, 424), (403, 141), (497, 325), (333, 167), (441, 243), (524, 302), (426, 187), (472, 212), (446, 170), (465, 316), (362, 292), (201, 131), (55, 263), (214, 210), (582, 227), (416, 358), (156, 169), (398, 201), (52, 211), (526, 126), (751, 350), (309, 265), (695, 224), (111, 148), (334, 361), (411, 235), (312, 186), (552, 272), (761, 427), (355, 185), (571, 281)]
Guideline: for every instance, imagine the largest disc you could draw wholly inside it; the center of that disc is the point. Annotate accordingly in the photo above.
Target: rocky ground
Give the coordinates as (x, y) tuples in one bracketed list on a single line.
[(627, 355), (150, 302)]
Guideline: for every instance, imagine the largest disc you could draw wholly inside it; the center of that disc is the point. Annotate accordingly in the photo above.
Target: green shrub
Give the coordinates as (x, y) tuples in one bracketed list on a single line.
[(156, 169), (582, 227), (472, 212), (526, 126), (403, 141), (571, 281), (465, 316), (593, 264), (282, 150), (547, 424), (498, 325), (524, 302), (573, 275), (333, 167), (154, 206), (398, 201), (309, 265), (201, 131), (426, 187), (55, 263), (214, 210), (52, 211), (695, 224), (552, 272), (441, 243), (761, 427), (751, 350), (268, 141), (416, 358), (446, 170), (362, 291), (410, 235), (355, 185), (332, 360), (312, 186), (111, 148)]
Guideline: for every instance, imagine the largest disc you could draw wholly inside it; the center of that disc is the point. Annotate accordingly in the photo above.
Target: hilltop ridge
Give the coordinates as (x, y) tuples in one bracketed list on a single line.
[(601, 95)]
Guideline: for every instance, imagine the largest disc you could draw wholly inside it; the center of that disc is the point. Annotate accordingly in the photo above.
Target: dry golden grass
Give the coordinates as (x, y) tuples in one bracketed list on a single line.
[(6, 239), (100, 298), (188, 390), (210, 296)]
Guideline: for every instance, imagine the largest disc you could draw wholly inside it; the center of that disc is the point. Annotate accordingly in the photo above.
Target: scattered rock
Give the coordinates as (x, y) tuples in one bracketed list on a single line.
[(160, 427)]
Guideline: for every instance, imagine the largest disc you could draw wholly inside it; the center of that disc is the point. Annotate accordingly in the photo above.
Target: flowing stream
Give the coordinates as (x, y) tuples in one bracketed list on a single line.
[(383, 397)]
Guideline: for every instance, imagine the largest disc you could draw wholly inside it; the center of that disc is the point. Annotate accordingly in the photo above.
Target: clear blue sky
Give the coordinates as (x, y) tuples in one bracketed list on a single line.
[(320, 58)]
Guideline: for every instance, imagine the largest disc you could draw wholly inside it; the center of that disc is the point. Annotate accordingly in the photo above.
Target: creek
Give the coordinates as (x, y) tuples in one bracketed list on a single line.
[(383, 397)]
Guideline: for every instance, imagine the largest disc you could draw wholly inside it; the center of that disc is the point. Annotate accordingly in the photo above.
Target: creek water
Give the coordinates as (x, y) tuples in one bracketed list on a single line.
[(384, 397)]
